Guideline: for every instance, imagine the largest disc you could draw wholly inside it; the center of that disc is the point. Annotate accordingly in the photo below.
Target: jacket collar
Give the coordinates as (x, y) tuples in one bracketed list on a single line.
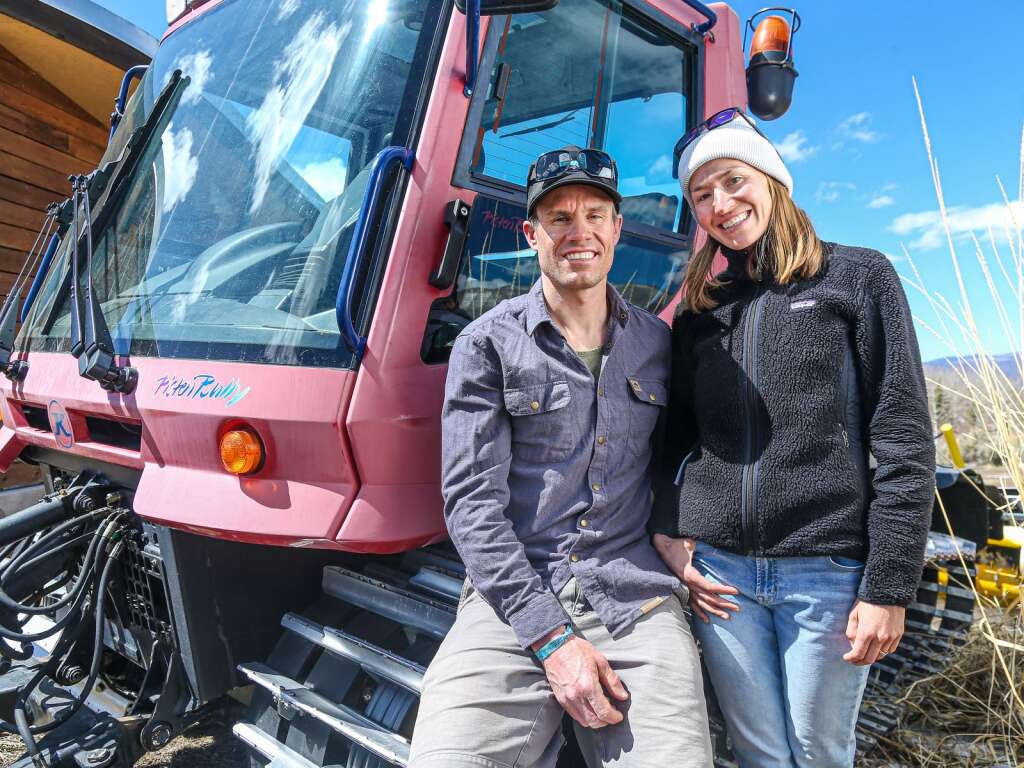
[(736, 265), (537, 308)]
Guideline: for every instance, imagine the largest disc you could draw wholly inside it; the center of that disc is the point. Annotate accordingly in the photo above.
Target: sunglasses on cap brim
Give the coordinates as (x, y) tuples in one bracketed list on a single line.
[(717, 120), (593, 162)]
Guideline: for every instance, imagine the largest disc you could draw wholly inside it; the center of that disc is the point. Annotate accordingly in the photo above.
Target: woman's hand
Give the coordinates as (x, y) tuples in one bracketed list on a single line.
[(874, 631), (705, 596)]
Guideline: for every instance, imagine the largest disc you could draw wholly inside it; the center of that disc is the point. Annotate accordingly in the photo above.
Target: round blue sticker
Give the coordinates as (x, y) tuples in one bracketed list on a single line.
[(60, 424)]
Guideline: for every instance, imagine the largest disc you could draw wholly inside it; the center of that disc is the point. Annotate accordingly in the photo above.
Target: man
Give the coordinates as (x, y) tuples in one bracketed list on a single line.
[(551, 402)]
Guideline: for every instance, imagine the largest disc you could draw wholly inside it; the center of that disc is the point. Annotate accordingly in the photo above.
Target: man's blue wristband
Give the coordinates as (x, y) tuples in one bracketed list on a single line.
[(554, 644)]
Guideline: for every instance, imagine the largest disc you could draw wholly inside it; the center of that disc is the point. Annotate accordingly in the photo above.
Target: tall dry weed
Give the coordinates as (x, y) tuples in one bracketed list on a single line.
[(973, 712)]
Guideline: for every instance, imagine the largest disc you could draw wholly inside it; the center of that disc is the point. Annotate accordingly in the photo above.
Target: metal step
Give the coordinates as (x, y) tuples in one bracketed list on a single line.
[(415, 559), (401, 606), (437, 583), (374, 659), (353, 726), (279, 755)]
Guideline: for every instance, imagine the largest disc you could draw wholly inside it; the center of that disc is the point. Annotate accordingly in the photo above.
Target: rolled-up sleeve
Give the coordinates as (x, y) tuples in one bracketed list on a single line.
[(476, 448)]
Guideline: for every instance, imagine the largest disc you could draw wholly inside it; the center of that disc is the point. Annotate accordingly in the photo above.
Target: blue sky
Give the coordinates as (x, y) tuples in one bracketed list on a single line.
[(853, 138)]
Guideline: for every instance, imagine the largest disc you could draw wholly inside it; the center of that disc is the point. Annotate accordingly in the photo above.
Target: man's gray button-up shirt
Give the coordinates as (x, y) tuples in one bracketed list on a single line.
[(547, 476)]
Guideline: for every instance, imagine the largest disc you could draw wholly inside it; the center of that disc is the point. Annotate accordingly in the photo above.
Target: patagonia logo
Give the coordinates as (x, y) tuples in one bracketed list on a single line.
[(795, 306)]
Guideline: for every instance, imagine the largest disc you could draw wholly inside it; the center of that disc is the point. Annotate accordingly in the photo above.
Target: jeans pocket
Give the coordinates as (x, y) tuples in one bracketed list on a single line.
[(847, 564)]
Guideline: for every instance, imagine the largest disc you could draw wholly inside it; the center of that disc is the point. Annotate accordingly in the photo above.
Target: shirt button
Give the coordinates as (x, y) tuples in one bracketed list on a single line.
[(600, 392), (636, 384), (653, 397), (596, 486), (584, 523), (600, 440), (574, 558), (535, 405)]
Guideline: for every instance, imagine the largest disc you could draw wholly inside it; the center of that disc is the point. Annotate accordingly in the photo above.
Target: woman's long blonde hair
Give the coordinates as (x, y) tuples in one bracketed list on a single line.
[(789, 249)]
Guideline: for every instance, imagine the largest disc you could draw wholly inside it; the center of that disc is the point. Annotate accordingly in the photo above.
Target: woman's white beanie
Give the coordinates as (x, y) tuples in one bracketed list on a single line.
[(736, 140)]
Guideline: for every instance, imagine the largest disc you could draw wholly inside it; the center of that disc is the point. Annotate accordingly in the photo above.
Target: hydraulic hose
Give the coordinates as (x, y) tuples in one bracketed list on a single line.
[(32, 519), (59, 566), (15, 565), (26, 731), (74, 598)]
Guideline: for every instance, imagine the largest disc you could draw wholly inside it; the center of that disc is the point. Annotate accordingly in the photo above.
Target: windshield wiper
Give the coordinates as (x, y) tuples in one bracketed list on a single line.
[(543, 127), (91, 343), (50, 233), (90, 336), (138, 143)]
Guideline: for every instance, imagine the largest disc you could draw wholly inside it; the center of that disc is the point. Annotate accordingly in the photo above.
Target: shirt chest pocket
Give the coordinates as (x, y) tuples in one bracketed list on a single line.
[(648, 398), (544, 425)]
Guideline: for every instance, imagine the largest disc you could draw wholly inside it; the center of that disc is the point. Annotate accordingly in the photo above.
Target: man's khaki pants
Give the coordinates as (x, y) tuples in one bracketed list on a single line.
[(486, 702)]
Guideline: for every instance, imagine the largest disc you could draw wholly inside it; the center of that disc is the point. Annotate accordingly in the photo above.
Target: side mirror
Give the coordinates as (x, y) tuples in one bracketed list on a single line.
[(770, 71), (474, 9)]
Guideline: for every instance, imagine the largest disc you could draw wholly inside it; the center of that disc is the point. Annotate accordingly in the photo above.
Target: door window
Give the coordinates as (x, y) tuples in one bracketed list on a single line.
[(595, 74), (497, 263)]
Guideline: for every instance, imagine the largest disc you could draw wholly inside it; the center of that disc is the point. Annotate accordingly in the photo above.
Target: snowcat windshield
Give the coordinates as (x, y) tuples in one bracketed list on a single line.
[(230, 238)]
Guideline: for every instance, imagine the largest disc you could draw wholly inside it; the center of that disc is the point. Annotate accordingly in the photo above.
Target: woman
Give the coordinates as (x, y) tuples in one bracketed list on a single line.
[(789, 368)]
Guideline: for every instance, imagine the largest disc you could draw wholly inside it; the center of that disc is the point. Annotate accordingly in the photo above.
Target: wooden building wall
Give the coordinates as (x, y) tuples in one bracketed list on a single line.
[(44, 137)]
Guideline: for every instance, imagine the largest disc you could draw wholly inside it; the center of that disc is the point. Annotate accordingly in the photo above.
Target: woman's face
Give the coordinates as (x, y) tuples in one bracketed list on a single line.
[(732, 202)]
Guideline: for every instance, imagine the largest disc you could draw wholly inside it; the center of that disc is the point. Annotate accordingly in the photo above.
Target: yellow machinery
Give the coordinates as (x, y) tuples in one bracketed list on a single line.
[(1000, 563)]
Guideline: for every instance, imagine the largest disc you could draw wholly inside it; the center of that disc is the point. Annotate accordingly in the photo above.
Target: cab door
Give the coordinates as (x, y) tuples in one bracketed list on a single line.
[(621, 75)]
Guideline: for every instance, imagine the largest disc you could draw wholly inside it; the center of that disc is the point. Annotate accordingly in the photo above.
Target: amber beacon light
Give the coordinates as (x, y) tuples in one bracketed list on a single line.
[(241, 451), (770, 70)]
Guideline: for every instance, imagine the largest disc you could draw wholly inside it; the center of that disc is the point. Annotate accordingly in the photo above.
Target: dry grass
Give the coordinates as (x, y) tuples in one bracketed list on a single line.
[(972, 714), (965, 716)]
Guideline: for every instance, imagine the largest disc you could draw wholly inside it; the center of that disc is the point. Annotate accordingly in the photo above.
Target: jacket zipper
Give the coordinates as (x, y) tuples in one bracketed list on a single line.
[(748, 491)]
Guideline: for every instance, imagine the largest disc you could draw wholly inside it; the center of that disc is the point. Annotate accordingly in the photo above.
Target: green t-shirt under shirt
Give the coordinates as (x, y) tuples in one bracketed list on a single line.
[(592, 357)]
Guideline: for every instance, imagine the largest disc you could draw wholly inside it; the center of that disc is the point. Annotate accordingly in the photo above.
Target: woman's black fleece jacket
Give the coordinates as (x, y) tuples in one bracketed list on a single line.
[(778, 396)]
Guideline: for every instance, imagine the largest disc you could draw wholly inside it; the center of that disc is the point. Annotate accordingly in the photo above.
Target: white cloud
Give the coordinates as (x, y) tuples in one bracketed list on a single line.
[(831, 191), (794, 147), (880, 201), (196, 66), (286, 8), (299, 76), (180, 166), (858, 128), (927, 228), (327, 177), (660, 170)]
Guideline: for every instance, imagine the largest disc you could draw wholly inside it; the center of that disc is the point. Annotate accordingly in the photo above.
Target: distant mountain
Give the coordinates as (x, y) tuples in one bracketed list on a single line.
[(1007, 362)]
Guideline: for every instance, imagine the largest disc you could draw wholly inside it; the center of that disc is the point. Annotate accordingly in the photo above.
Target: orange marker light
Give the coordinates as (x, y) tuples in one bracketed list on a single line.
[(772, 34), (241, 451)]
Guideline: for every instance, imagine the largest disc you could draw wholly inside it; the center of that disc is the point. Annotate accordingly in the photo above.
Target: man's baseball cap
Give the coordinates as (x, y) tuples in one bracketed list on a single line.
[(572, 165)]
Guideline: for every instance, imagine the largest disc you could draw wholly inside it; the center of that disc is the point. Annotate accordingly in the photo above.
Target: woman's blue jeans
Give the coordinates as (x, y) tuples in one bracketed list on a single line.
[(776, 666)]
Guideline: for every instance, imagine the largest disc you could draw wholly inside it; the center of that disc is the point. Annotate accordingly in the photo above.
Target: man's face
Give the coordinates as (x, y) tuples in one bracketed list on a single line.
[(575, 236)]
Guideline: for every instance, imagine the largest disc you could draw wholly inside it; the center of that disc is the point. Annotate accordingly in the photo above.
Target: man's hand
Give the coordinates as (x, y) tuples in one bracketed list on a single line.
[(873, 631), (579, 676), (705, 596)]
